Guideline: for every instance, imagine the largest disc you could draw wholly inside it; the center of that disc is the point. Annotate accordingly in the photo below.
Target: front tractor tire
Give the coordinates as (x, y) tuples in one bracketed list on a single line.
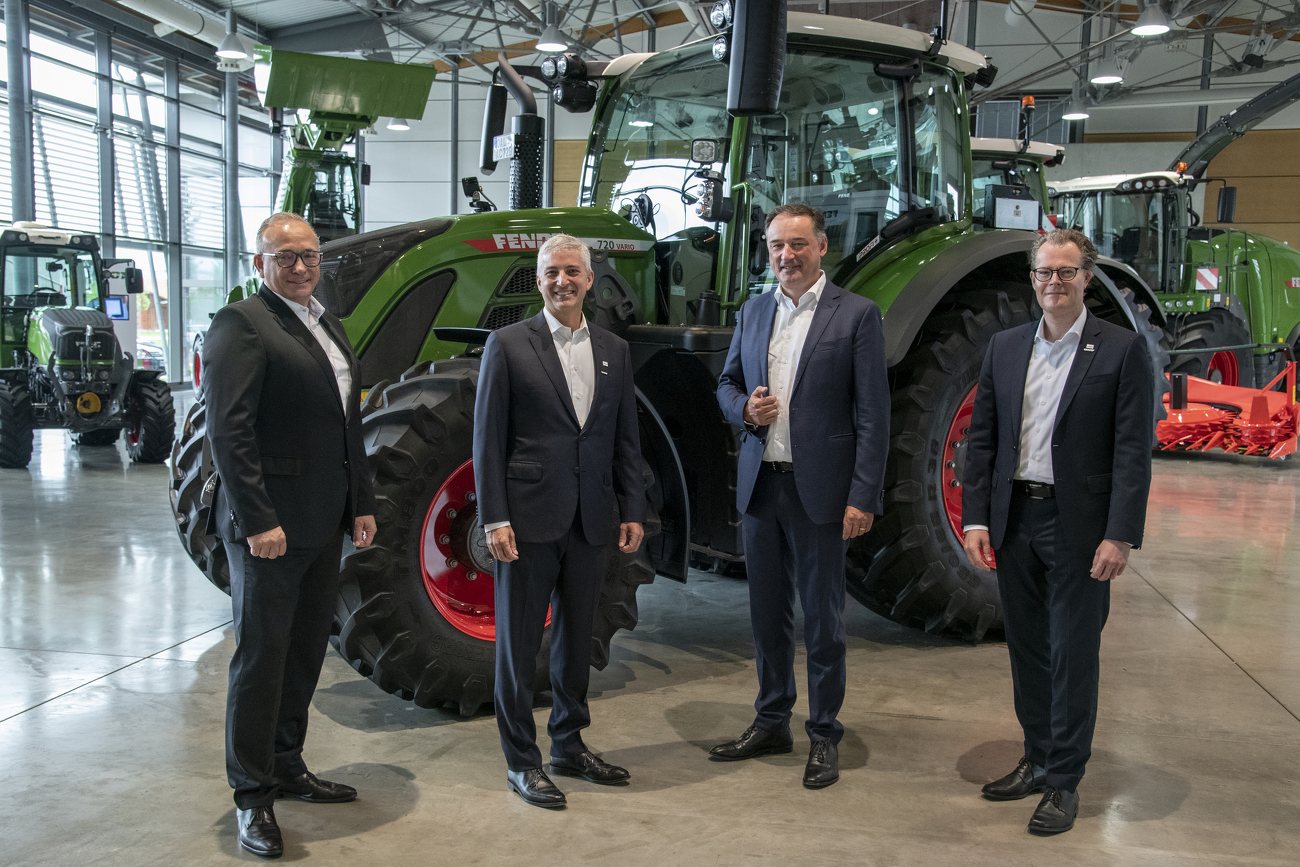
[(15, 426), (416, 611), (150, 421), (191, 470), (1213, 328), (911, 567)]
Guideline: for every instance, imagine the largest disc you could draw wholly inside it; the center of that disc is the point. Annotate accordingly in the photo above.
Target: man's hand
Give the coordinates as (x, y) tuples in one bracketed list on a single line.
[(979, 550), (1110, 560), (761, 410), (856, 522), (501, 542), (363, 531), (270, 544), (629, 537)]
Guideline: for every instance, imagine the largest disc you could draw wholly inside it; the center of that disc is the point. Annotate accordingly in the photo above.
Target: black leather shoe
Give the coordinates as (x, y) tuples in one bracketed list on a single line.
[(823, 765), (754, 742), (308, 787), (535, 787), (259, 833), (1055, 813), (1027, 779), (590, 768)]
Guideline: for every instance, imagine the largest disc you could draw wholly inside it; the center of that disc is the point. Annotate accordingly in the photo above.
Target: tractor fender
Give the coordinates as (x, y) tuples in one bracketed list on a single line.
[(145, 375), (908, 312), (671, 549)]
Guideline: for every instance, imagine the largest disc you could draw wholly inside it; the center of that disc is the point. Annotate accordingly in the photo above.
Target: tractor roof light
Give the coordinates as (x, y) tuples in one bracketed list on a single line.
[(1152, 21), (721, 15), (722, 49)]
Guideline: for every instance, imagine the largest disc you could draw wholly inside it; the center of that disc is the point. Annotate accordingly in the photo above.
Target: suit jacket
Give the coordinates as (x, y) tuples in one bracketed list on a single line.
[(839, 404), (533, 465), (1101, 444), (287, 450)]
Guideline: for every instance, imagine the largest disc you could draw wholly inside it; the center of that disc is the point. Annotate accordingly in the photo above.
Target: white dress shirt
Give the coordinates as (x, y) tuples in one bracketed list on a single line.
[(573, 346), (1049, 367), (789, 332), (310, 316)]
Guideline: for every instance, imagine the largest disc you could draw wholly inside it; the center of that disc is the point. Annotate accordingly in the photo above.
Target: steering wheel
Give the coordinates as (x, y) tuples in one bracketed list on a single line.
[(48, 298)]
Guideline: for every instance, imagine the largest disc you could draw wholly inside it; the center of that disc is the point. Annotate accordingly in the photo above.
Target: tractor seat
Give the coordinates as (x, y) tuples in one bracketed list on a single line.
[(67, 327)]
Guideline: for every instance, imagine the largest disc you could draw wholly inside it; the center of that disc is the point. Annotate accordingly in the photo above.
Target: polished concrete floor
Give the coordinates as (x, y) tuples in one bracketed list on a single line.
[(113, 653)]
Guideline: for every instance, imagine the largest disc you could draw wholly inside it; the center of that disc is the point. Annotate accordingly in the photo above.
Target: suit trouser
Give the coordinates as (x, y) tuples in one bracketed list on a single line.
[(1053, 611), (566, 575), (785, 551), (283, 611)]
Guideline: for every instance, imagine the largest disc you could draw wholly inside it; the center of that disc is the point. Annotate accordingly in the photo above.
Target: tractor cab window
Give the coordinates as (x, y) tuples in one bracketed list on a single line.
[(1129, 227), (863, 148), (331, 206), (989, 170), (43, 276), (639, 165)]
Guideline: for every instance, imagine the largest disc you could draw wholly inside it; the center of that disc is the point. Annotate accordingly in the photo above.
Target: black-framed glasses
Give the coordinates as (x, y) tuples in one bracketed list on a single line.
[(288, 258), (1044, 274)]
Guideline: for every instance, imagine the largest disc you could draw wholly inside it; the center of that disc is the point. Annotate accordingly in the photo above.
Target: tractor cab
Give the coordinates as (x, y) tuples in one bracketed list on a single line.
[(1009, 163), (44, 270)]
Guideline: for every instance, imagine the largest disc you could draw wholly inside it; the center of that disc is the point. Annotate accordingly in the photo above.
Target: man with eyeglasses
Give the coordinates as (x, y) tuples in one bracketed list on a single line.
[(284, 422), (1058, 465)]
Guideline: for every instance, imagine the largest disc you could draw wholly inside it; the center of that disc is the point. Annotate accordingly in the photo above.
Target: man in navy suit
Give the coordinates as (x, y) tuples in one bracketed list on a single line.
[(1058, 465), (557, 463), (805, 377)]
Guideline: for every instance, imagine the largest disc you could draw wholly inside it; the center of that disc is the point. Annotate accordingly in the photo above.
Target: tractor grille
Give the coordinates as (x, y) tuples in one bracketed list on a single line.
[(522, 281), (500, 317)]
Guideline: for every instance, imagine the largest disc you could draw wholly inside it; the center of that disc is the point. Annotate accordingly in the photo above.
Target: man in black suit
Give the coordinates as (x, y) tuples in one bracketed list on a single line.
[(805, 377), (557, 462), (284, 422), (1058, 465)]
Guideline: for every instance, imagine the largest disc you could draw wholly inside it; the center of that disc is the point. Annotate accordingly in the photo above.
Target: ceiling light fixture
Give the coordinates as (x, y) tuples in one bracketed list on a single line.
[(552, 40), (232, 47), (1108, 71), (1077, 110), (399, 123), (1152, 21)]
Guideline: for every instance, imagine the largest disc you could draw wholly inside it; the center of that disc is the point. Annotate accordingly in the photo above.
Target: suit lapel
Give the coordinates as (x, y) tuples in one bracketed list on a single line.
[(1019, 373), (599, 354), (1082, 361), (335, 329), (544, 345), (292, 324), (821, 318), (760, 334)]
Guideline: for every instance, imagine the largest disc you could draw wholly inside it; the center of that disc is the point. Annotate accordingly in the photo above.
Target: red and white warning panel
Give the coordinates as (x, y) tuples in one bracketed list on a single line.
[(1207, 279)]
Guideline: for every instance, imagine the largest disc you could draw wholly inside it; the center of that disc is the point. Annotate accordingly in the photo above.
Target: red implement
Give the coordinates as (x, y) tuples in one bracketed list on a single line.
[(1246, 421)]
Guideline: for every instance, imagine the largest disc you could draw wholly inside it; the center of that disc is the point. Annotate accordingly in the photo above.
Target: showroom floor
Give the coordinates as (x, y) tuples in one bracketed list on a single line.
[(114, 650)]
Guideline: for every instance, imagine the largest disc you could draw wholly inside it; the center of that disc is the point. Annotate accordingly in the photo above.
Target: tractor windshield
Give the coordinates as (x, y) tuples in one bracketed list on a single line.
[(40, 275), (1130, 227), (997, 169)]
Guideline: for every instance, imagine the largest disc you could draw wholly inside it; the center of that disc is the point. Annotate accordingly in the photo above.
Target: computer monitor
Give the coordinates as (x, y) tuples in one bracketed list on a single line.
[(115, 307)]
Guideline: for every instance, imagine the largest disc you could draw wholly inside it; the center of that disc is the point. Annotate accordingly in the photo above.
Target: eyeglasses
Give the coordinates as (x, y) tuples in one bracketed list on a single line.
[(288, 258), (1045, 274)]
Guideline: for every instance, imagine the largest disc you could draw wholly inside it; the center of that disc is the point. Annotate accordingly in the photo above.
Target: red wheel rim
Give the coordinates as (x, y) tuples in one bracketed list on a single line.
[(951, 483), (198, 368), (1226, 364), (454, 561)]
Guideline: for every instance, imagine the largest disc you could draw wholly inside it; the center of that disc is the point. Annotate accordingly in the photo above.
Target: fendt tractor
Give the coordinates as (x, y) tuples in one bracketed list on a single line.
[(62, 363), (1231, 298), (867, 122)]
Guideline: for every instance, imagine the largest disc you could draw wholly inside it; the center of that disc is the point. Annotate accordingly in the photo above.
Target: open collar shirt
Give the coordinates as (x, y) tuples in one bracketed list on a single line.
[(789, 333), (310, 315)]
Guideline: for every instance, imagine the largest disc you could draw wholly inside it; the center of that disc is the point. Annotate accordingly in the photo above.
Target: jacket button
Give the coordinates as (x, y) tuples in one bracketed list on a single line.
[(577, 471)]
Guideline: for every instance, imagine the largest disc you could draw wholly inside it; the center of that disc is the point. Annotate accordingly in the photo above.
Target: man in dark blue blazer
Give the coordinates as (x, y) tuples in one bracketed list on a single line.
[(1058, 465), (805, 378), (557, 465)]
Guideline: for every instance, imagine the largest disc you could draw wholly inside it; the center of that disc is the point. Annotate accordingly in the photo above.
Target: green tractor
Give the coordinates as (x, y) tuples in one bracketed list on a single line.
[(871, 125), (65, 367)]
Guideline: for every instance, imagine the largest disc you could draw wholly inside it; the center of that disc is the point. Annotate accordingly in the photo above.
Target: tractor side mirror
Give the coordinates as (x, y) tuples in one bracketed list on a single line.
[(134, 281), (1227, 204), (494, 124), (365, 174)]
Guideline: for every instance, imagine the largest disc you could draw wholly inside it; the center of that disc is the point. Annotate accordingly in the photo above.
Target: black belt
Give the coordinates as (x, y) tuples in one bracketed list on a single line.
[(779, 466), (1035, 490)]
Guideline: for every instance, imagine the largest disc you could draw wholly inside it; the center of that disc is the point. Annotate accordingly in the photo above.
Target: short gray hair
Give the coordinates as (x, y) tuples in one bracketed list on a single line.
[(278, 219), (1061, 237), (563, 242)]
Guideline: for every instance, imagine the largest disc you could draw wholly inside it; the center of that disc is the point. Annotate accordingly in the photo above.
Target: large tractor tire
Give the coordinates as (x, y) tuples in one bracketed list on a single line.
[(911, 567), (150, 421), (103, 437), (15, 426), (1213, 328), (191, 469), (416, 611)]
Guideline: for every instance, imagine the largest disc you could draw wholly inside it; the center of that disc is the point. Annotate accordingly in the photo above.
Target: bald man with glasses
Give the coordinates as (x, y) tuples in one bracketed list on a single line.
[(284, 421)]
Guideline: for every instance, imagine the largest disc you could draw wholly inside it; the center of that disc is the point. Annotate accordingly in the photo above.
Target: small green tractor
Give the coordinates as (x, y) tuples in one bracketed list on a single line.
[(870, 123), (64, 366)]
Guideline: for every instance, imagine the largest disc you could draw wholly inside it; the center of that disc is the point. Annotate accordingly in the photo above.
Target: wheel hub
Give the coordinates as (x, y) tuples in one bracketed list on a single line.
[(954, 463), (454, 561), (1223, 369)]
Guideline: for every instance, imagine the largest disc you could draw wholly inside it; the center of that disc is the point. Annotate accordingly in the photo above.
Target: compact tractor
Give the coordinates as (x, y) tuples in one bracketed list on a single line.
[(64, 366), (689, 149)]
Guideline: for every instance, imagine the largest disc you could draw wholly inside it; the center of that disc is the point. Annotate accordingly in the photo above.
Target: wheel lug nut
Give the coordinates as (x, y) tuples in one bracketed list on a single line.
[(444, 539), (950, 464), (451, 513), (471, 575), (471, 497), (954, 483), (452, 563)]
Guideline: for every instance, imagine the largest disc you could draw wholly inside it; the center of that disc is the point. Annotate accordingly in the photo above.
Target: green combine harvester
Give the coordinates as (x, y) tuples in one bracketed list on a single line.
[(63, 365), (871, 124)]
